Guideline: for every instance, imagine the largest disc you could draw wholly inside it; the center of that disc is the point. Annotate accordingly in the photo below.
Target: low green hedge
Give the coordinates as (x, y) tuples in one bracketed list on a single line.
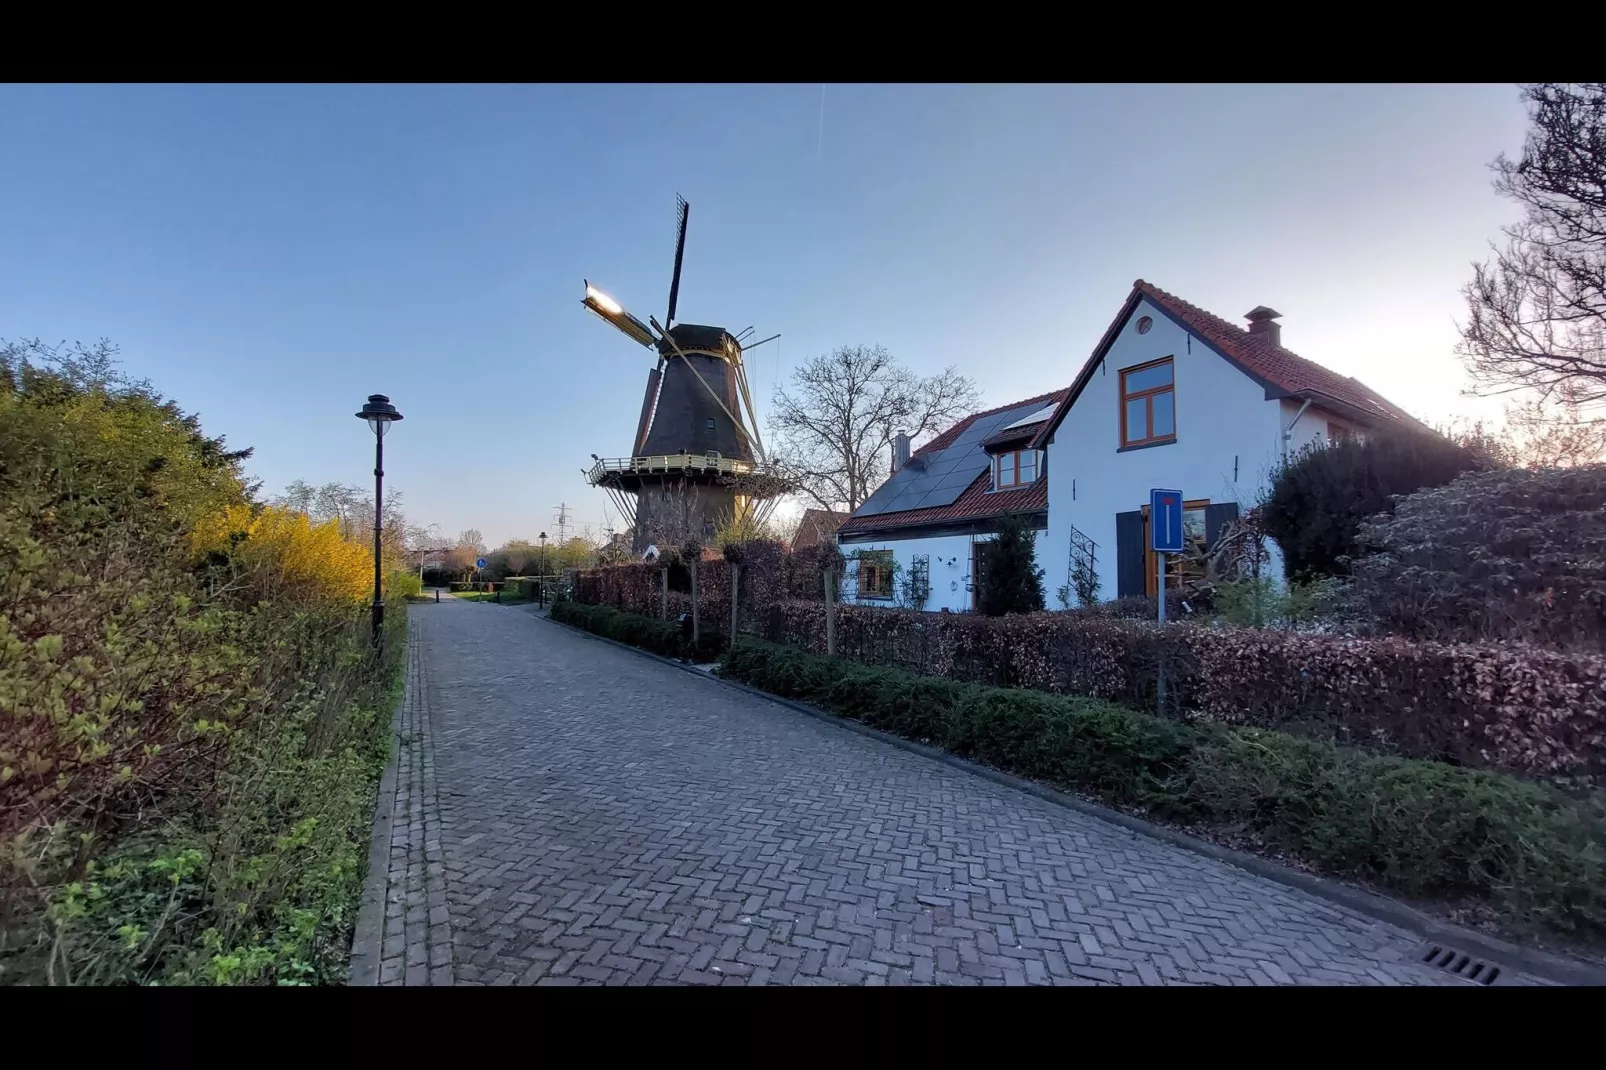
[(1418, 827), (648, 633)]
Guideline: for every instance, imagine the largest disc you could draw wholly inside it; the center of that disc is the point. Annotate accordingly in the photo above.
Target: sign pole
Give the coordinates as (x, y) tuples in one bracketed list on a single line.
[(1161, 558), (1165, 537)]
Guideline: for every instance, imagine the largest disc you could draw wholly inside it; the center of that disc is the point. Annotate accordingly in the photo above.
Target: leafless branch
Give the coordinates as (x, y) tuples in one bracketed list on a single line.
[(1537, 311), (835, 421)]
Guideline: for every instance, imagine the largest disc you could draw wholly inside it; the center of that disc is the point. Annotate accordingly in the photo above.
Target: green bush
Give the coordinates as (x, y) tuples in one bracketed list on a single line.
[(1509, 554), (1419, 827), (1011, 582), (404, 585), (648, 633), (1318, 500), (186, 772)]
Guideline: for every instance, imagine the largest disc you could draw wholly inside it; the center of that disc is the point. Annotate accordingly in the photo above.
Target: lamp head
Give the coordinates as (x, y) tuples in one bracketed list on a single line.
[(379, 413)]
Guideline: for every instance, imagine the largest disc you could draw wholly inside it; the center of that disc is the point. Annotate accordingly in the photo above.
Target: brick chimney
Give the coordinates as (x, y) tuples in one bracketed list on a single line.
[(1261, 322), (900, 451)]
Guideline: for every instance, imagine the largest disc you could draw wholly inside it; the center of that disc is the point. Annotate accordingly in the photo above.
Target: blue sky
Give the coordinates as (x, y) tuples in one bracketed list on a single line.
[(269, 255)]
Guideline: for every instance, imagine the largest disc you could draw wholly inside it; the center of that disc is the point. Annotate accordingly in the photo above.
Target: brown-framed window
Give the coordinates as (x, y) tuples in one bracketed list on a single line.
[(875, 574), (1337, 433), (1148, 404), (1015, 469)]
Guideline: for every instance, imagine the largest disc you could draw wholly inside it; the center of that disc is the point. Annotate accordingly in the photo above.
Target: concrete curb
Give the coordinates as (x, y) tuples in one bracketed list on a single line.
[(367, 939), (1510, 956)]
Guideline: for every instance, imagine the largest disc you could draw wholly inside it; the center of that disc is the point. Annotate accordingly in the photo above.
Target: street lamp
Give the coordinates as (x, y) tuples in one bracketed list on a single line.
[(543, 553), (379, 413)]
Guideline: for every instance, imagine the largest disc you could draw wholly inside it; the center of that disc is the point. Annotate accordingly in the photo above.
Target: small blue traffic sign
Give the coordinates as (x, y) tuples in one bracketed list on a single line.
[(1165, 521), (479, 562)]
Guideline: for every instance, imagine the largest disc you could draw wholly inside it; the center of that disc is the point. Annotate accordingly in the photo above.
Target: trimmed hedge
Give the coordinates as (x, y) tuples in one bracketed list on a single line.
[(1418, 827), (1509, 706), (648, 633)]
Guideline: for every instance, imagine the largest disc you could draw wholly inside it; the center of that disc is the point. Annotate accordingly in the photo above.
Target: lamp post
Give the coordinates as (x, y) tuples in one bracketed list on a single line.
[(380, 414), (541, 585)]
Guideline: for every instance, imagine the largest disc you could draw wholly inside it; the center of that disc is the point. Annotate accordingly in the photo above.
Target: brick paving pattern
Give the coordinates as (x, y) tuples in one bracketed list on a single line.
[(416, 940), (605, 819)]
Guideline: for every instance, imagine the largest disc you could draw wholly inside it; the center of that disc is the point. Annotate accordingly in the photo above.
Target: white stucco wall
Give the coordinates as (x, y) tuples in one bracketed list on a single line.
[(1223, 420), (950, 560), (1313, 428)]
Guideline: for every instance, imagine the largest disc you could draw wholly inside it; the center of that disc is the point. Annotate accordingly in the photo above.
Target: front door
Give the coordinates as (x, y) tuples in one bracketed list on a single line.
[(980, 553), (1178, 567)]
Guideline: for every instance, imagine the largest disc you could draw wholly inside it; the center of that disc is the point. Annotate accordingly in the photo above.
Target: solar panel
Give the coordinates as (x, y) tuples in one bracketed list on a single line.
[(880, 499), (959, 479), (946, 473)]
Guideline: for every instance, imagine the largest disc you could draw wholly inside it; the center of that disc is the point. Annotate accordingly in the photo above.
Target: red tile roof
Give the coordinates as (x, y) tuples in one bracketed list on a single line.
[(1283, 372), (977, 502), (816, 526), (1280, 366)]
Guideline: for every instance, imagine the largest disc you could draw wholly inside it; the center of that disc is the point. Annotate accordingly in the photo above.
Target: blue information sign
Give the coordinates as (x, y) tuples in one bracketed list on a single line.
[(479, 562), (1165, 521)]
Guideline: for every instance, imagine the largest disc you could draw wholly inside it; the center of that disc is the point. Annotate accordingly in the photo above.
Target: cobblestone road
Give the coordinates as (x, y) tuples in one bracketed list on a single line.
[(569, 812)]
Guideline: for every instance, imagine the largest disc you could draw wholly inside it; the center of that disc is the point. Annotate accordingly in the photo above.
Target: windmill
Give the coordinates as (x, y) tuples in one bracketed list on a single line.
[(695, 462)]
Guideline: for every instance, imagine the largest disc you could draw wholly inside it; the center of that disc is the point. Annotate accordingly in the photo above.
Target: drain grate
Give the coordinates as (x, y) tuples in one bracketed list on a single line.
[(1461, 964)]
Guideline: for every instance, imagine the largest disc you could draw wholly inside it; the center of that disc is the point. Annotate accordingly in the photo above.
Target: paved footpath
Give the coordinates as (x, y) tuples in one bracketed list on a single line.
[(568, 812)]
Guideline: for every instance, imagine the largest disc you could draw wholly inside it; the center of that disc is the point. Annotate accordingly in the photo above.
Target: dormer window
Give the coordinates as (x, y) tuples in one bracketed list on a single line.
[(1016, 468)]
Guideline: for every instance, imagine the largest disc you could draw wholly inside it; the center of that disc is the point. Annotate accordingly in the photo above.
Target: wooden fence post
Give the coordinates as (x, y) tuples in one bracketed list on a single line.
[(736, 572), (696, 632), (830, 612), (663, 596)]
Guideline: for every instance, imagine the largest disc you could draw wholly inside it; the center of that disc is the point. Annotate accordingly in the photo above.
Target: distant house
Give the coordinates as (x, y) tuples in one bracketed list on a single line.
[(816, 528), (931, 522), (1175, 397)]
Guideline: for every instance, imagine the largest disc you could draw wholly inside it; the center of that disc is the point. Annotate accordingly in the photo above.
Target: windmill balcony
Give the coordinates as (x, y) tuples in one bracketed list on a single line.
[(616, 469)]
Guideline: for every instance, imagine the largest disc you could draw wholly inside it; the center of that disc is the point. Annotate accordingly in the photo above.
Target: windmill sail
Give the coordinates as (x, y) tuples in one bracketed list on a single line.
[(680, 254), (648, 403)]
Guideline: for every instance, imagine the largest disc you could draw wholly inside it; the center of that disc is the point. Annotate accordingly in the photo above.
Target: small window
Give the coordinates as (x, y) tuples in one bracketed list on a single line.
[(1015, 469), (709, 423), (875, 574), (1148, 404), (1337, 433)]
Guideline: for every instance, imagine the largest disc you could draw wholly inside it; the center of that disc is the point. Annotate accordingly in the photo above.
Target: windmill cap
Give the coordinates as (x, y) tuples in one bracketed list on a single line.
[(699, 336)]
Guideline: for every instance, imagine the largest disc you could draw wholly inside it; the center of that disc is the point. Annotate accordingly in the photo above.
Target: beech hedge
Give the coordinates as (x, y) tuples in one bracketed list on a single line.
[(1502, 705), (1421, 828)]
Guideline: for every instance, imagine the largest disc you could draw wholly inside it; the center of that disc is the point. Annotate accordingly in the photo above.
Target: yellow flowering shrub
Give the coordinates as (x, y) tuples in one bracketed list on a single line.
[(281, 551)]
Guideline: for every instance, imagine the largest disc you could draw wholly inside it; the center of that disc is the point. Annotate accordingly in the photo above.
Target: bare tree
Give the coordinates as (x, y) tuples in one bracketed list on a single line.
[(673, 519), (1558, 435), (1538, 312), (426, 538), (834, 423), (352, 510), (473, 540)]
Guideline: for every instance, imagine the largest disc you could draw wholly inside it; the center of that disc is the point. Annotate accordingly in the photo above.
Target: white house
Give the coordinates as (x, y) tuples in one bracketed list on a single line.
[(1178, 398), (928, 525)]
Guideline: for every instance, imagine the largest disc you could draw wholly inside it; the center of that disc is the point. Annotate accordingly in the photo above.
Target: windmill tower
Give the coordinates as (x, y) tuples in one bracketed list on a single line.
[(695, 463)]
